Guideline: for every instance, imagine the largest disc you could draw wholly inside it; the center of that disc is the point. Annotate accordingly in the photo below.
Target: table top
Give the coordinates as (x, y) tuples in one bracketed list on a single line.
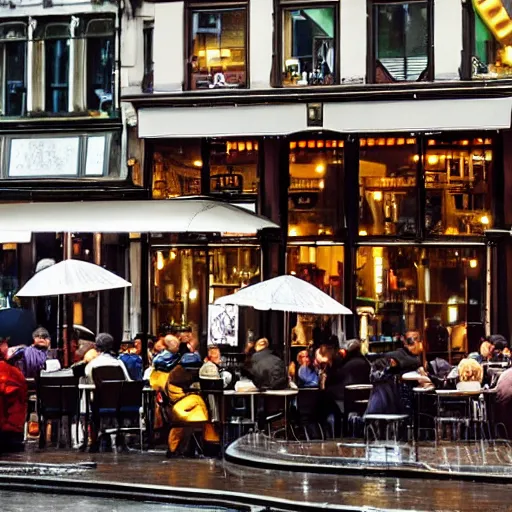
[(415, 376), (428, 389), (271, 392), (359, 386), (92, 387), (459, 392)]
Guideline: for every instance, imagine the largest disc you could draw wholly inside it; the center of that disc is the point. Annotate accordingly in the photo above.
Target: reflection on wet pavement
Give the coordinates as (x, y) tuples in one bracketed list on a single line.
[(35, 502), (482, 457), (377, 492)]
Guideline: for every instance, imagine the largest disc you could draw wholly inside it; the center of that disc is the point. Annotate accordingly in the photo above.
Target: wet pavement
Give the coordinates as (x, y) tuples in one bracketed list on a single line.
[(482, 458), (379, 492), (38, 502)]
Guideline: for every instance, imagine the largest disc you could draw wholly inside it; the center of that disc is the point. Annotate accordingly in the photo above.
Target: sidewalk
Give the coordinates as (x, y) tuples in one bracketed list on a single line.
[(490, 461), (137, 472)]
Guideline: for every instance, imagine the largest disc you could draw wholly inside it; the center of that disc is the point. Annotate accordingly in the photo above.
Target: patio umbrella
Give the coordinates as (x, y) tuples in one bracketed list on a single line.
[(69, 277), (286, 293), (18, 325)]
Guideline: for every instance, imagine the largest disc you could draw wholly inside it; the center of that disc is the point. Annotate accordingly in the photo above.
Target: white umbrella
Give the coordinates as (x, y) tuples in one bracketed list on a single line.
[(69, 277), (286, 293), (179, 215)]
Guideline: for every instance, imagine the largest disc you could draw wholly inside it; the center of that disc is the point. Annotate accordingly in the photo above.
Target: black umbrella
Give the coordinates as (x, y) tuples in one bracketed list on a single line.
[(17, 325)]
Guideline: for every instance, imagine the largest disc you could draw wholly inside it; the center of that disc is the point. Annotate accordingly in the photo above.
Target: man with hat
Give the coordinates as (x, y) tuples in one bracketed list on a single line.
[(131, 360), (34, 357)]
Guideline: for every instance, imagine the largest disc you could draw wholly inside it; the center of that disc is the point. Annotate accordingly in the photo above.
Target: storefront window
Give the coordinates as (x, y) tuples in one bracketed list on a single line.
[(234, 167), (177, 169), (322, 266), (387, 183), (232, 268), (401, 41), (491, 55), (218, 49), (309, 46), (436, 290), (178, 295), (457, 181), (315, 194)]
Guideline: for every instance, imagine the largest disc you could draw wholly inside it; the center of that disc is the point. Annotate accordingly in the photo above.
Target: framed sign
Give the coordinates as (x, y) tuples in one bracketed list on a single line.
[(222, 325)]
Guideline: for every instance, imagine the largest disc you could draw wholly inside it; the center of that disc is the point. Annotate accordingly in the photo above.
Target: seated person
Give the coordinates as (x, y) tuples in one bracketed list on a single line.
[(267, 371), (214, 356), (34, 357), (185, 406), (470, 375), (105, 357), (307, 375), (500, 352), (13, 403), (165, 361), (131, 359)]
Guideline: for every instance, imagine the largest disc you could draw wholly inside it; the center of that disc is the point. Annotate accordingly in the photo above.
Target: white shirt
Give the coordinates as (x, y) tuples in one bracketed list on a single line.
[(104, 359)]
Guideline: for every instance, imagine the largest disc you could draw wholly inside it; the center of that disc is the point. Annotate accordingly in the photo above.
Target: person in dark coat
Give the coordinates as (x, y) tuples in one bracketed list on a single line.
[(266, 370)]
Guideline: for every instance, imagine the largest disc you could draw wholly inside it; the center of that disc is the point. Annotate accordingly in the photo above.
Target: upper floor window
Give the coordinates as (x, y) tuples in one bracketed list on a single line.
[(218, 48), (13, 50), (401, 41), (490, 30), (75, 57), (309, 44), (147, 80)]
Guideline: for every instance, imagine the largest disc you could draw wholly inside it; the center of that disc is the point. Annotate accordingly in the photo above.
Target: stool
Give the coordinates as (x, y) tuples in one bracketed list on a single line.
[(392, 423)]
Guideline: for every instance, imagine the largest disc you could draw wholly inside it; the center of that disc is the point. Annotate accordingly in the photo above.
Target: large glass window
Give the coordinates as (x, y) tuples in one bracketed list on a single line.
[(8, 274), (436, 290), (315, 204), (218, 41), (457, 181), (309, 45), (387, 186), (100, 64), (179, 288), (13, 50), (234, 167), (491, 52), (177, 169), (400, 41)]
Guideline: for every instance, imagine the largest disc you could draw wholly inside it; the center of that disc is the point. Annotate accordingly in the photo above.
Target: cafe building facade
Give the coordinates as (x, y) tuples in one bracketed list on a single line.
[(375, 133)]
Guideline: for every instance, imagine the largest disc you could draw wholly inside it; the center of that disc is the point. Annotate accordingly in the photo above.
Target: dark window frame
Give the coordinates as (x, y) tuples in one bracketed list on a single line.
[(148, 32), (196, 6), (277, 65), (371, 59)]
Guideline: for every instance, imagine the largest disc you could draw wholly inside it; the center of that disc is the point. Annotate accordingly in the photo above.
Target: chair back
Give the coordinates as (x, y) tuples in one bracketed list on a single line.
[(107, 397), (131, 397), (211, 385), (58, 396), (356, 398), (103, 373), (307, 403)]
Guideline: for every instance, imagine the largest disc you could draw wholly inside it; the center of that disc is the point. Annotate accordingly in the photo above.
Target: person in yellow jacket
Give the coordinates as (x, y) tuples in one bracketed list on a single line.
[(186, 406)]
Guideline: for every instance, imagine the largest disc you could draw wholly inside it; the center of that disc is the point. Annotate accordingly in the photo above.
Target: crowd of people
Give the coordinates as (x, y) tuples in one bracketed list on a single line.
[(177, 371)]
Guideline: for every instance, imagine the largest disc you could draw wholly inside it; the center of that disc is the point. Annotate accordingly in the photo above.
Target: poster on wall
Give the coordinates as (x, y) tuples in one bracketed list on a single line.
[(223, 325)]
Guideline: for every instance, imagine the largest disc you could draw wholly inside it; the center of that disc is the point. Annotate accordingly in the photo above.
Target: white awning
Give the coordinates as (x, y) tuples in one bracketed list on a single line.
[(222, 121), (15, 237), (418, 116), (180, 215), (345, 117)]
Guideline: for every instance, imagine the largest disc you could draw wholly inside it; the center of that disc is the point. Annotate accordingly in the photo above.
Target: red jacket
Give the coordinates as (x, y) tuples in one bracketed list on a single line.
[(13, 399)]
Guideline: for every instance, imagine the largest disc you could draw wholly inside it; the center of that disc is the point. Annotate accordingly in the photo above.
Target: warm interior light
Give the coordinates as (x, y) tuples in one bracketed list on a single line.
[(293, 273), (473, 263), (416, 158), (292, 232), (192, 294), (453, 314), (160, 262), (172, 255), (321, 184), (433, 159), (363, 232), (377, 195), (484, 219), (198, 163), (320, 168)]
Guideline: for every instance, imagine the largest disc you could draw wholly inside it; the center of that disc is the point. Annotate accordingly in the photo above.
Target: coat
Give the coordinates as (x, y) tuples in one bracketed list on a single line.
[(354, 369), (268, 371), (13, 399)]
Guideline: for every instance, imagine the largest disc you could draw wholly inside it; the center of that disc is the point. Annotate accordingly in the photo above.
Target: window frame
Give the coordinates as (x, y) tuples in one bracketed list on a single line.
[(371, 57), (3, 84), (196, 6), (279, 7)]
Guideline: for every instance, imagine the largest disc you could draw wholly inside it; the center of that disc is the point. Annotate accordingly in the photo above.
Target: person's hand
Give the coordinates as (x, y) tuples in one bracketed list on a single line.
[(422, 371)]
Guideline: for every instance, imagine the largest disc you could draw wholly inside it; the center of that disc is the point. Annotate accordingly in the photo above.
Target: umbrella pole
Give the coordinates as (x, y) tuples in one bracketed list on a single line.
[(285, 338)]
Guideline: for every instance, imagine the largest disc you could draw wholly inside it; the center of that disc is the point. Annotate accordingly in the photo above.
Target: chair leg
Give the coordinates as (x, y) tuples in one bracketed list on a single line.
[(42, 432)]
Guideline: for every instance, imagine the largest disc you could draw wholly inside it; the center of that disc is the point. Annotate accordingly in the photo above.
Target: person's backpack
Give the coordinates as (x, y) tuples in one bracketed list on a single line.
[(13, 399), (133, 364)]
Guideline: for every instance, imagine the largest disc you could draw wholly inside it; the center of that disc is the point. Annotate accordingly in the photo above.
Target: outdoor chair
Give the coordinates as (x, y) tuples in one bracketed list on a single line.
[(355, 403), (306, 414), (392, 423), (57, 398), (212, 391)]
